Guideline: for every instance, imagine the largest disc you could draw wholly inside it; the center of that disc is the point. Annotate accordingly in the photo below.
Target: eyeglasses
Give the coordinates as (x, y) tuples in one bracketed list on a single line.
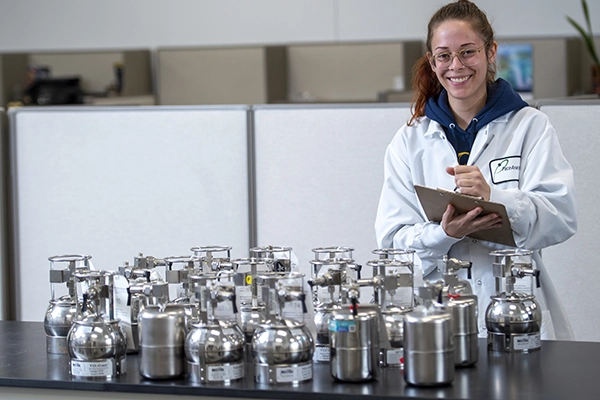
[(467, 57)]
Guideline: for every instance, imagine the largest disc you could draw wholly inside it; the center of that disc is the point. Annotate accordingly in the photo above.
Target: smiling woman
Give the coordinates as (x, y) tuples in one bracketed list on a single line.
[(465, 83), (473, 132)]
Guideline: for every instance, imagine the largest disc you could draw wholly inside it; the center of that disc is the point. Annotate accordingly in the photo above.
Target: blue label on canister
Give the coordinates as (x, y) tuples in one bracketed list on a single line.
[(342, 326)]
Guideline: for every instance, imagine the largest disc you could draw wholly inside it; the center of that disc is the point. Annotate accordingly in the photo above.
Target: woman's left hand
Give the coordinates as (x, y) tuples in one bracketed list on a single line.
[(469, 180)]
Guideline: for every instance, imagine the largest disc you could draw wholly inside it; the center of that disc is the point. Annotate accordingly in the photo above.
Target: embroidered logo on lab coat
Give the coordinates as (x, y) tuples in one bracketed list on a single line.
[(505, 169)]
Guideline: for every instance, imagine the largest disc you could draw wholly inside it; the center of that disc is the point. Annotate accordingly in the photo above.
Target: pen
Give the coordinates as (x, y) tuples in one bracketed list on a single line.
[(470, 195)]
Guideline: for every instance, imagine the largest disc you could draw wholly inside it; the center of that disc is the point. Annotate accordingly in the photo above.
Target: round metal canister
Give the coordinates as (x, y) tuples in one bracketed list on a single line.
[(354, 341), (59, 318), (250, 318), (514, 322), (321, 318), (463, 309), (428, 347), (214, 352), (97, 349), (162, 337), (394, 327), (282, 351)]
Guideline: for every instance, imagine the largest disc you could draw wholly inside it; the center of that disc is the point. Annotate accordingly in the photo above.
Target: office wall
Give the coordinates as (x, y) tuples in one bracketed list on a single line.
[(281, 74), (573, 264), (212, 76), (35, 25), (4, 271), (319, 175), (349, 72), (113, 182)]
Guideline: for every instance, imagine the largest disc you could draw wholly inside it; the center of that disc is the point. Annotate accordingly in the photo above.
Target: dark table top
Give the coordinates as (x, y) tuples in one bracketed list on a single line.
[(559, 370)]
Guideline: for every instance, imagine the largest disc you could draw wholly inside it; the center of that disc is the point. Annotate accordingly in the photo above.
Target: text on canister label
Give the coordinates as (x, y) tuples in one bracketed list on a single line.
[(92, 368)]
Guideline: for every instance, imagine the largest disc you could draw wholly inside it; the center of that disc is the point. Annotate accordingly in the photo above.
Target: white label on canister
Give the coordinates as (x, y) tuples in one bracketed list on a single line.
[(526, 342), (293, 310), (323, 292), (220, 373), (92, 368), (244, 293), (224, 310), (322, 353), (122, 310), (273, 304), (394, 356), (524, 285), (291, 374)]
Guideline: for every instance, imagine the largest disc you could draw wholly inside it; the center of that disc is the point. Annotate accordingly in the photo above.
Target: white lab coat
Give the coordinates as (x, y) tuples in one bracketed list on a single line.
[(535, 185)]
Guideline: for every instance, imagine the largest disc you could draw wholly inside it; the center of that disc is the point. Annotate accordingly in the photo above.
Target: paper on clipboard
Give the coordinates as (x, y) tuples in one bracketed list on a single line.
[(435, 201)]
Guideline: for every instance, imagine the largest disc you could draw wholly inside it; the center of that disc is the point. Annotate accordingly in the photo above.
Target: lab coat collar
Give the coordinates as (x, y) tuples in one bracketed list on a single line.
[(435, 128), (482, 139)]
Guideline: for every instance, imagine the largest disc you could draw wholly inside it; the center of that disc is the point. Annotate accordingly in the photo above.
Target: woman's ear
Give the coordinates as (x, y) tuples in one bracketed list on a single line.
[(491, 53)]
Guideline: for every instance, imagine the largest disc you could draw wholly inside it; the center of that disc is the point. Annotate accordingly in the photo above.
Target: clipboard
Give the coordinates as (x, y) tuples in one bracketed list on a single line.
[(434, 202)]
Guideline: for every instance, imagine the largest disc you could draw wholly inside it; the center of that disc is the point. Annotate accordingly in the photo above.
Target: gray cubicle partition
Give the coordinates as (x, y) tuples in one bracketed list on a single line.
[(113, 182), (319, 173), (573, 264), (4, 272)]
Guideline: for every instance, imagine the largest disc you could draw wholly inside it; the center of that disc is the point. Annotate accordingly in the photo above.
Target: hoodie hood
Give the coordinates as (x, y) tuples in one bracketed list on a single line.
[(501, 99)]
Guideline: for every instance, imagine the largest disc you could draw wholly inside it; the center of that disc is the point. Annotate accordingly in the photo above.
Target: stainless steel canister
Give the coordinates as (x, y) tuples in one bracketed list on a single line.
[(214, 352), (162, 337), (394, 327), (97, 348), (514, 323), (428, 347), (463, 309), (354, 341), (250, 318), (282, 351), (321, 319), (59, 318)]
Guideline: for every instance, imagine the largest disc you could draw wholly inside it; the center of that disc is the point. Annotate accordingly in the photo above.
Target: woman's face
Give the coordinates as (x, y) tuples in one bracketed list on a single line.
[(465, 84)]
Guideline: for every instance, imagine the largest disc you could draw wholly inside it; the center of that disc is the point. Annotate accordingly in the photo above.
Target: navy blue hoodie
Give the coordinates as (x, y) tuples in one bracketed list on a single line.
[(501, 99)]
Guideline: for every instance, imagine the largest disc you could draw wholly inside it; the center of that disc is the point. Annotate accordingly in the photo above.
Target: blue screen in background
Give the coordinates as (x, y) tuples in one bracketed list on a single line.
[(515, 64)]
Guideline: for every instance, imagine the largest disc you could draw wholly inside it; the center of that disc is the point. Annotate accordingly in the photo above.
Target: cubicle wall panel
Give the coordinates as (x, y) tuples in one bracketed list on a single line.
[(319, 173), (573, 264), (113, 182), (212, 76), (336, 72), (4, 272)]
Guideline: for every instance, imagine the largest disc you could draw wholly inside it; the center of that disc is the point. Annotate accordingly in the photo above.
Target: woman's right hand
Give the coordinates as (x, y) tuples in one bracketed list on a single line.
[(461, 225)]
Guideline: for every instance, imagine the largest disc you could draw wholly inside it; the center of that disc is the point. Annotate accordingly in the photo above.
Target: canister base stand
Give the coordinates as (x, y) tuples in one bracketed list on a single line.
[(223, 374), (57, 345), (97, 370), (514, 342), (283, 373)]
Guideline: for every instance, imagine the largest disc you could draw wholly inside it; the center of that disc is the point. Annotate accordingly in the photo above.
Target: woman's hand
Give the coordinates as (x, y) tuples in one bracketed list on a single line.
[(469, 180), (460, 225)]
